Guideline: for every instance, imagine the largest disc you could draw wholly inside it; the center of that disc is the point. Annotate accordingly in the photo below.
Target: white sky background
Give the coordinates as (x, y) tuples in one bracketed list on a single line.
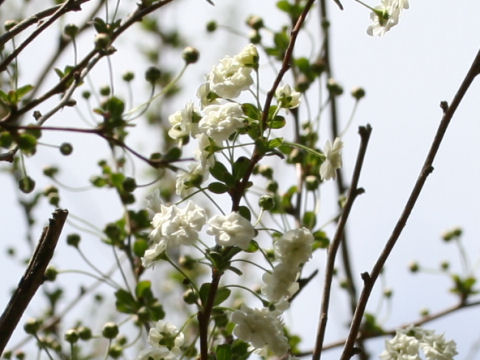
[(406, 74)]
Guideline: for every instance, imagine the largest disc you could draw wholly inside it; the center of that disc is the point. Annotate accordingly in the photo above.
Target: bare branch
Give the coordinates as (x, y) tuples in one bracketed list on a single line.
[(33, 277)]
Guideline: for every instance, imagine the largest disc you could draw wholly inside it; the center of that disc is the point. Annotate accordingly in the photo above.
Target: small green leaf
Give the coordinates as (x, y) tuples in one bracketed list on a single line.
[(222, 295), (125, 302), (22, 91), (173, 154), (218, 188), (203, 292), (143, 289), (223, 352), (251, 111), (245, 212), (309, 219), (240, 167), (220, 172)]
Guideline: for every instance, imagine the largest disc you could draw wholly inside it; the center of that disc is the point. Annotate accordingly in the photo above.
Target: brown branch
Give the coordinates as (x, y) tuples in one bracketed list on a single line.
[(32, 20), (370, 278), (33, 277), (69, 5), (332, 250)]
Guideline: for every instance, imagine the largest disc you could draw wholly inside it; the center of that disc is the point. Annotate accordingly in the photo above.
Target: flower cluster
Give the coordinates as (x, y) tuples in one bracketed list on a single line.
[(292, 250), (408, 342), (261, 328), (217, 117), (385, 16), (165, 341), (174, 226)]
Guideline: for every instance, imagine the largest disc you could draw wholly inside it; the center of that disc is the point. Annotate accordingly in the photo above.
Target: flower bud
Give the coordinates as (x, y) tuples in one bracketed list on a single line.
[(266, 202), (128, 76), (255, 22), (358, 93), (110, 330), (66, 148), (190, 55), (211, 26), (32, 326), (334, 87), (71, 336), (71, 30), (153, 74), (73, 240), (8, 24), (255, 37), (84, 333), (50, 274), (102, 41)]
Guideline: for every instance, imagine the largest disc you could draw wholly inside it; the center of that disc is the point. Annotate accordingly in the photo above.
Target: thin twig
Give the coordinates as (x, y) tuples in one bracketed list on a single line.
[(332, 250), (370, 278), (33, 277)]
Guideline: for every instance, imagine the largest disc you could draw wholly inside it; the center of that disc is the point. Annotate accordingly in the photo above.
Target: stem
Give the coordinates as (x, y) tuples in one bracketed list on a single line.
[(370, 278), (329, 271)]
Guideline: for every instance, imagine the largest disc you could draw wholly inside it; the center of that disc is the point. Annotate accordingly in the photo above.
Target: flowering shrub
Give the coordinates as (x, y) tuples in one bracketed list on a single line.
[(223, 247)]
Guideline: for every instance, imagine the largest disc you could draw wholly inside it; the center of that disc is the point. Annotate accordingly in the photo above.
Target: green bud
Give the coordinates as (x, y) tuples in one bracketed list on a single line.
[(32, 326), (255, 22), (72, 336), (452, 234), (6, 139), (319, 66), (50, 171), (444, 265), (20, 355), (358, 93), (190, 55), (71, 30), (110, 330), (266, 202), (50, 274), (84, 333), (254, 37), (312, 182), (128, 76), (26, 184), (115, 351), (129, 184), (334, 88), (388, 293), (86, 94), (73, 239), (424, 312), (272, 186), (190, 297), (102, 41), (105, 90), (66, 148), (153, 74), (211, 26), (414, 267)]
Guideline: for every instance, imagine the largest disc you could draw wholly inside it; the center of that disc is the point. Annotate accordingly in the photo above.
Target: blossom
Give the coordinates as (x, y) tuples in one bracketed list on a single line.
[(261, 328), (248, 56), (401, 347), (182, 122), (407, 343), (280, 283), (385, 16), (206, 96), (166, 341), (333, 159), (152, 253), (187, 180), (287, 97), (230, 77), (202, 154), (165, 334), (178, 226), (231, 230), (294, 247), (221, 121)]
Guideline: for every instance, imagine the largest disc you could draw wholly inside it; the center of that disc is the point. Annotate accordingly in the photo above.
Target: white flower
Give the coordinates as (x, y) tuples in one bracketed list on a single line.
[(261, 328), (221, 121), (333, 159), (294, 247), (435, 347), (178, 226), (155, 353), (287, 97), (280, 283), (205, 95), (151, 254), (386, 16), (407, 343), (166, 335), (231, 230), (186, 180), (203, 156), (401, 347), (182, 122), (248, 56), (229, 78)]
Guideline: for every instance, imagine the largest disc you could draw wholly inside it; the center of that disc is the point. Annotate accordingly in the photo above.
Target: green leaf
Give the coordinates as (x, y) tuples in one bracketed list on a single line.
[(245, 212), (140, 246), (143, 289), (320, 240), (251, 111), (203, 292), (220, 172), (240, 167), (222, 295), (309, 219), (125, 302), (303, 64), (223, 352), (277, 122), (218, 188), (274, 143), (173, 154)]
